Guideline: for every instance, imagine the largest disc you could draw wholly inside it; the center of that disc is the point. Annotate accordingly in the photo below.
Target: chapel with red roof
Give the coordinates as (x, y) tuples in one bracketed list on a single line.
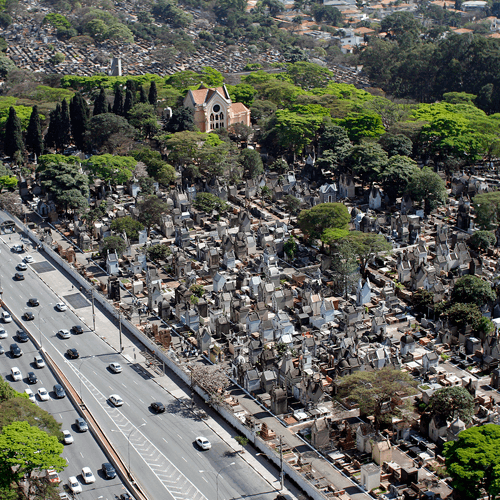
[(214, 109)]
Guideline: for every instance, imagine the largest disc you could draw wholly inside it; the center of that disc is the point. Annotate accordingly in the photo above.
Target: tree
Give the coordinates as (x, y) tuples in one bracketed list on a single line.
[(426, 185), (471, 289), (8, 182), (111, 168), (212, 380), (422, 299), (197, 290), (158, 252), (376, 391), (24, 450), (79, 120), (401, 24), (143, 117), (12, 203), (291, 204), (362, 125), (252, 162), (367, 160), (290, 247), (113, 244), (153, 94), (208, 202), (314, 221), (64, 129), (480, 241), (462, 315), (34, 136), (127, 225), (108, 131), (487, 207), (118, 101), (367, 246), (396, 175), (13, 142), (335, 140), (295, 131), (6, 391), (151, 210), (451, 403), (182, 119), (100, 103), (473, 462), (396, 144), (344, 264)]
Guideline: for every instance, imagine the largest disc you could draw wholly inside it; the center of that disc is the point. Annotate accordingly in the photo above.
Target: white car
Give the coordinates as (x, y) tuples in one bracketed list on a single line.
[(74, 485), (43, 394), (18, 248), (16, 374), (53, 476), (21, 266), (29, 259), (30, 394), (39, 362), (203, 443), (3, 333), (87, 475), (115, 367), (116, 400), (64, 334), (6, 317), (68, 438), (61, 306)]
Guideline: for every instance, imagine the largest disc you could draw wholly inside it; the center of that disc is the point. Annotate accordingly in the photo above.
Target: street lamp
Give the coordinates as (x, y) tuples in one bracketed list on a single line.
[(130, 433), (217, 476), (80, 375)]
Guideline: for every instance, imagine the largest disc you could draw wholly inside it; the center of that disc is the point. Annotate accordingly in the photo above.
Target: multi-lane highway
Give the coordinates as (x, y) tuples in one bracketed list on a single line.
[(160, 448)]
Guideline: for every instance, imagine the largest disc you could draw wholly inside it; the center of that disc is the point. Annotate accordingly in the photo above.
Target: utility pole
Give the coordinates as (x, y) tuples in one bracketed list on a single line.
[(282, 476), (93, 306), (120, 321)]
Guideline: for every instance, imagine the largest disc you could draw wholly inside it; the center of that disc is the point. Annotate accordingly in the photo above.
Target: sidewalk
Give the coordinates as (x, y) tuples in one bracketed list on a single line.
[(107, 329)]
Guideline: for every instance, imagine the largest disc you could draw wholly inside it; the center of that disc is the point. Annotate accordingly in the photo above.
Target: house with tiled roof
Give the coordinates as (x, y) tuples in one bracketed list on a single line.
[(214, 109)]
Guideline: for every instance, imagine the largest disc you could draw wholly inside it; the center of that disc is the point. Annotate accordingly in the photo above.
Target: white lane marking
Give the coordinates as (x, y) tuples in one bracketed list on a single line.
[(204, 479), (127, 403), (179, 436), (165, 440), (145, 420), (81, 454), (135, 382), (141, 400), (184, 459), (124, 385)]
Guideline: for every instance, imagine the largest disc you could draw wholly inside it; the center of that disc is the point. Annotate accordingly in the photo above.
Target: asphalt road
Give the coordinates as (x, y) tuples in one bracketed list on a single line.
[(84, 451), (163, 456)]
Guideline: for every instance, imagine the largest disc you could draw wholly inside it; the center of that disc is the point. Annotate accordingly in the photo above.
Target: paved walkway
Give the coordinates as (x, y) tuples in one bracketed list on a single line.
[(107, 328)]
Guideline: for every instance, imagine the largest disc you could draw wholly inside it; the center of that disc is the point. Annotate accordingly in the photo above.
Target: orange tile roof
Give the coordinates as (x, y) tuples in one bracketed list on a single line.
[(238, 107)]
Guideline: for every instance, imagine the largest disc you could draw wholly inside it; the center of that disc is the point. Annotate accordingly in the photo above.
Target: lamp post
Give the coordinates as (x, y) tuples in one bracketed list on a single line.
[(80, 375), (130, 434), (217, 476)]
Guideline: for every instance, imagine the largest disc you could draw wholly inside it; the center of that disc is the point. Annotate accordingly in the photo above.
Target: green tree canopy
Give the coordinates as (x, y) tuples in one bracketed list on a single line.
[(362, 125), (396, 175), (208, 202), (314, 221), (158, 252), (471, 289), (151, 210), (451, 403), (111, 168), (367, 160), (426, 186), (487, 207), (480, 241), (251, 162), (127, 225), (113, 244), (367, 246)]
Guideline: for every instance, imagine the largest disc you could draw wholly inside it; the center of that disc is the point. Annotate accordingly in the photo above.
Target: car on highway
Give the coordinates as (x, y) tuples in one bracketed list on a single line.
[(125, 496), (15, 351), (43, 394), (72, 353), (19, 276), (74, 485), (33, 302), (158, 407), (81, 425), (77, 329), (108, 470), (32, 378), (116, 400), (6, 317), (39, 362), (203, 443), (21, 266), (16, 374), (68, 438), (28, 316), (22, 336), (64, 334), (61, 306), (18, 248), (53, 476), (2, 350), (87, 475), (29, 259), (115, 367), (59, 391), (3, 333), (30, 394), (64, 496)]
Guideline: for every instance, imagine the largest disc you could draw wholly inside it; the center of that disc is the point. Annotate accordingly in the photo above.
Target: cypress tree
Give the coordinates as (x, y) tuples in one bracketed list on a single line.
[(129, 102), (13, 134), (52, 131), (118, 103), (34, 137), (131, 85), (153, 94), (79, 114), (110, 109), (142, 95), (100, 104), (64, 129)]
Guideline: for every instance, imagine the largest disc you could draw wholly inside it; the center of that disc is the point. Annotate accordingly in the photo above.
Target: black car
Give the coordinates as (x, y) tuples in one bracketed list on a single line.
[(158, 407), (125, 496), (15, 351), (19, 276), (59, 391), (32, 378), (22, 336), (28, 316), (72, 353), (77, 329), (33, 302), (108, 470)]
